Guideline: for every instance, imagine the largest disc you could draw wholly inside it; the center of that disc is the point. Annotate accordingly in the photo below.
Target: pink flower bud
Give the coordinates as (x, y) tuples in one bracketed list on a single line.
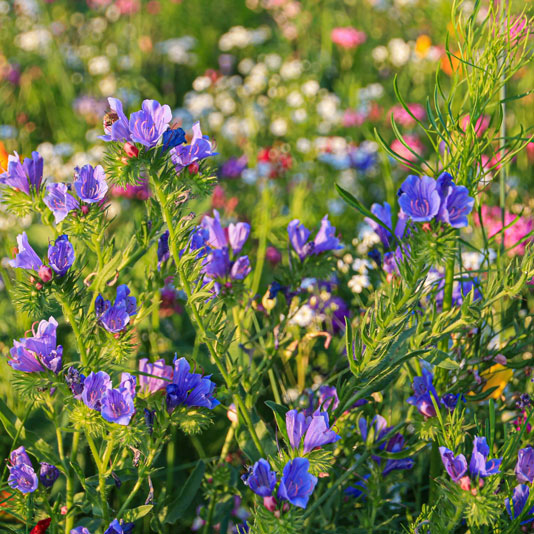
[(501, 358), (45, 273), (131, 150), (85, 209), (193, 168), (269, 503), (38, 286), (465, 483)]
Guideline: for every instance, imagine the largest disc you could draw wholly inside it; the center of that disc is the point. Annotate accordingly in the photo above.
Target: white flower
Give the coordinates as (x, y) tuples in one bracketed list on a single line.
[(310, 88), (361, 266), (299, 115), (201, 83), (303, 317), (294, 99), (34, 40), (472, 260), (278, 127), (303, 145), (291, 69), (98, 65), (273, 61), (400, 52), (359, 282), (380, 54)]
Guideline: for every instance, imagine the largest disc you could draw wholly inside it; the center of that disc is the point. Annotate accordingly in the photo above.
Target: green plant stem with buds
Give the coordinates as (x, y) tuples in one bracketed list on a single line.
[(69, 314)]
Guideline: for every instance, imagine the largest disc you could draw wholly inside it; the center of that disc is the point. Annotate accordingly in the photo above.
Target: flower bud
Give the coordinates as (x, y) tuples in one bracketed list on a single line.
[(85, 209), (269, 503), (45, 273), (193, 168), (38, 286), (131, 150)]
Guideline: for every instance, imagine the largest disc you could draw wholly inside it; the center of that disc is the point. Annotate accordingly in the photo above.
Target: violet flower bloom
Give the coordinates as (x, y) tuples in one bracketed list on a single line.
[(419, 198), (150, 384), (90, 183), (119, 527), (238, 235), (479, 464), (95, 387), (459, 205), (23, 176), (325, 398), (297, 484), (114, 318), (24, 360), (189, 389), (216, 236), (241, 268), (423, 392), (21, 474), (324, 240), (61, 255), (260, 479), (48, 474), (519, 500), (450, 400), (456, 466), (148, 124), (26, 257), (116, 126), (163, 248), (75, 381), (298, 237), (60, 201), (118, 406), (200, 148), (396, 444), (383, 213), (314, 429), (80, 530), (524, 469), (171, 138)]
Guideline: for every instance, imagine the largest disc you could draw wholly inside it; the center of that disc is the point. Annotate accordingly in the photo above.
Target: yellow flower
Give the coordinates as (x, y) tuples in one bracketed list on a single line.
[(497, 376), (422, 45)]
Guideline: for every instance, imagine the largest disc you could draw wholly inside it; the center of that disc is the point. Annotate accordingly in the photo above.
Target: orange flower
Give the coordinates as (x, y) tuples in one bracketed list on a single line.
[(3, 157), (422, 45)]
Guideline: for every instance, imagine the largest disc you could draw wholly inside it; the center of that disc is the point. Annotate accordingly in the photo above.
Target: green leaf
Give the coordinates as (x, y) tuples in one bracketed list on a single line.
[(189, 490), (137, 513)]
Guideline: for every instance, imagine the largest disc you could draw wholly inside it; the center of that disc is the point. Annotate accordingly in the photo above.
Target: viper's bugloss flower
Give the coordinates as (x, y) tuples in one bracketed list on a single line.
[(260, 479), (24, 176), (458, 205), (95, 387), (163, 248), (116, 126), (26, 257), (90, 183), (383, 213), (151, 384), (148, 124), (396, 444), (114, 318), (419, 198), (450, 400), (456, 466), (200, 148), (80, 530), (172, 138), (60, 201), (423, 392), (61, 255), (297, 484), (479, 464), (119, 527), (519, 500), (75, 381), (48, 474), (39, 352), (314, 429), (524, 469), (324, 239), (22, 477), (189, 389), (118, 406)]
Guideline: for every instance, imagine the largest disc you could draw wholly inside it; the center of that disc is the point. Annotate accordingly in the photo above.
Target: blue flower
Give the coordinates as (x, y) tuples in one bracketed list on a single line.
[(396, 444), (60, 201), (25, 176), (297, 484), (80, 530), (26, 257), (524, 469), (118, 406), (48, 474), (200, 148), (148, 124), (314, 429), (163, 248), (171, 138), (114, 318), (90, 183), (95, 387), (419, 198), (116, 126), (189, 389), (61, 255), (383, 213), (324, 239), (456, 466), (260, 479), (479, 464), (423, 392), (22, 477), (298, 237), (119, 527), (519, 500)]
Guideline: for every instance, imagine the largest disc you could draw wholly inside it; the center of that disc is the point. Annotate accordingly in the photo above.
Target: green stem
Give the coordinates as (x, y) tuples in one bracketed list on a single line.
[(69, 520), (69, 314), (262, 244), (101, 467)]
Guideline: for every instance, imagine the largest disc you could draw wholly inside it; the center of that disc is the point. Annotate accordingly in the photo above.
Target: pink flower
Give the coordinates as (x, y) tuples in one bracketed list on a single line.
[(404, 118), (413, 142), (348, 38), (480, 127), (352, 118)]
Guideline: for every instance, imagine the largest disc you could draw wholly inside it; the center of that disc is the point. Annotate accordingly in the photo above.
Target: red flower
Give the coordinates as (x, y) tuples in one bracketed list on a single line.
[(42, 526)]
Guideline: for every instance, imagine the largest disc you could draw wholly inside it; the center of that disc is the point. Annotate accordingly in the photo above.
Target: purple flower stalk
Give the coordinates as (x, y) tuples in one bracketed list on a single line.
[(25, 176), (26, 257), (148, 124), (60, 201), (61, 255), (114, 318), (516, 507), (200, 148), (324, 241), (90, 183), (314, 429), (22, 477), (260, 479), (297, 484)]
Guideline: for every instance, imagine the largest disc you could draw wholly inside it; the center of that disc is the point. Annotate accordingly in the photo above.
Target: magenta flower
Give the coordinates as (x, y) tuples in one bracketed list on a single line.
[(348, 38)]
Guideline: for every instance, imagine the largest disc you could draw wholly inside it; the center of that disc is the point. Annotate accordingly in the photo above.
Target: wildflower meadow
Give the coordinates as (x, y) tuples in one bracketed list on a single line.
[(266, 266)]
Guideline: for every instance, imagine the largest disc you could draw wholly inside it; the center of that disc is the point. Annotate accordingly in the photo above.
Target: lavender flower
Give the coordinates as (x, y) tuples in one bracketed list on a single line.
[(80, 530), (458, 206), (148, 124), (60, 201), (119, 527), (456, 466), (26, 257), (24, 360), (241, 268), (61, 255), (324, 240), (200, 148), (383, 213), (396, 444), (419, 198), (48, 474), (314, 429), (95, 387), (479, 464), (114, 318), (151, 384), (189, 389), (238, 235), (75, 381), (298, 237), (116, 126), (24, 176), (297, 484), (118, 406), (90, 183), (260, 479), (519, 501), (423, 392), (524, 469), (21, 474), (163, 248)]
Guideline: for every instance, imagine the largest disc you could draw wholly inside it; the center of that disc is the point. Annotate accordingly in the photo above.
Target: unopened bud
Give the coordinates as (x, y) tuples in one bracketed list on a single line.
[(193, 168), (45, 273), (269, 503), (85, 209), (131, 150), (39, 286)]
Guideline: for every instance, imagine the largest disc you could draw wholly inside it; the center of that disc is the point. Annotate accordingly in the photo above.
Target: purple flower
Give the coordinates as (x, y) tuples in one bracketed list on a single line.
[(260, 479), (171, 138), (519, 500), (419, 198), (117, 405), (297, 484), (151, 384), (148, 124), (237, 235), (423, 392), (383, 213), (163, 248), (189, 389), (21, 474), (48, 474), (80, 530), (241, 268), (23, 176), (114, 318), (450, 400), (459, 206), (95, 387), (524, 469), (325, 398), (116, 124), (61, 255), (119, 527), (326, 239), (396, 444), (26, 257), (199, 149), (456, 466), (233, 167), (90, 183), (298, 237), (216, 237), (60, 201), (479, 464), (217, 263), (75, 381), (315, 430), (24, 360)]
